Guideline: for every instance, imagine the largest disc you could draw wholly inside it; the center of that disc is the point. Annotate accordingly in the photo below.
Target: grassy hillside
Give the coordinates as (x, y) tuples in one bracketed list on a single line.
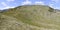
[(33, 17)]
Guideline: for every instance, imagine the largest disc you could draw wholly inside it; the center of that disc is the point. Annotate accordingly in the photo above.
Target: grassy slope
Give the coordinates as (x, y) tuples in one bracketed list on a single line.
[(36, 15)]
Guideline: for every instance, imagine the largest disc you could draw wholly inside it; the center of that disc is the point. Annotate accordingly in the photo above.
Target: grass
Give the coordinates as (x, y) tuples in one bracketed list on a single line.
[(34, 15)]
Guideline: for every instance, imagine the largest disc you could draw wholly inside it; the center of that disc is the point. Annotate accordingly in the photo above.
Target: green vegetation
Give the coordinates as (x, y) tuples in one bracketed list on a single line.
[(33, 17)]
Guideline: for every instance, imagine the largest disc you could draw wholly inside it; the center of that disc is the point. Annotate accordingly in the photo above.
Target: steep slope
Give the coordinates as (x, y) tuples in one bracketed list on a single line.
[(34, 17)]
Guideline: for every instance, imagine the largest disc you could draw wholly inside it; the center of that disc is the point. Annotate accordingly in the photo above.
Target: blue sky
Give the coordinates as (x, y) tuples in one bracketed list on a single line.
[(5, 4)]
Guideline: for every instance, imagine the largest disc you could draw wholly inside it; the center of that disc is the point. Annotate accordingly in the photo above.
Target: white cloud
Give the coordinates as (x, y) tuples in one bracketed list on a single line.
[(27, 2), (56, 1), (39, 3), (7, 7), (3, 3), (51, 5), (10, 0)]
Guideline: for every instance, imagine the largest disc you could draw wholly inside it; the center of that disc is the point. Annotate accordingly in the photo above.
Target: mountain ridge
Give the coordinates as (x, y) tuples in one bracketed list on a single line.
[(35, 17), (28, 5)]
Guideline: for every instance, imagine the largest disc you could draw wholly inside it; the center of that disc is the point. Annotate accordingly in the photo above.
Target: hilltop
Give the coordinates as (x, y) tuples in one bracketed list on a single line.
[(30, 17)]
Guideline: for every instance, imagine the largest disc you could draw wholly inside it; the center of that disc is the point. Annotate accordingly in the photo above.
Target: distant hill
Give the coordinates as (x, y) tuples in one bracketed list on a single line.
[(30, 17)]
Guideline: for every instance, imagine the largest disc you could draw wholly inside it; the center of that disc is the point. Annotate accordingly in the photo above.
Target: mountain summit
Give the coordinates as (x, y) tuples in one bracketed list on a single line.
[(30, 17)]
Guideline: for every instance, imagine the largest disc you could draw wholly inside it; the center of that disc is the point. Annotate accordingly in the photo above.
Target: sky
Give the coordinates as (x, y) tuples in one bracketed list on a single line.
[(5, 4)]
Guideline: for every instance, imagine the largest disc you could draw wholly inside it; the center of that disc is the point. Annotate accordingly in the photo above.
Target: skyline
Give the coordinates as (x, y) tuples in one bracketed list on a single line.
[(5, 4)]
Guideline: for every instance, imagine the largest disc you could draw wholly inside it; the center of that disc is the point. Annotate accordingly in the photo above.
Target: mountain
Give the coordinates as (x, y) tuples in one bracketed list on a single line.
[(0, 10), (30, 17)]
